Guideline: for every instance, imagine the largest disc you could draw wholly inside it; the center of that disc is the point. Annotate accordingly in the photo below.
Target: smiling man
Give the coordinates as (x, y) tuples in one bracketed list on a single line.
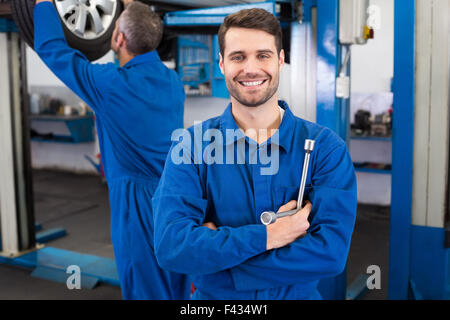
[(207, 215)]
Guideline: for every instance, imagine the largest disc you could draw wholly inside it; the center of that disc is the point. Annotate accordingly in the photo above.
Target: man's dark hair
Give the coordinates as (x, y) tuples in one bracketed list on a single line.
[(252, 19), (142, 28)]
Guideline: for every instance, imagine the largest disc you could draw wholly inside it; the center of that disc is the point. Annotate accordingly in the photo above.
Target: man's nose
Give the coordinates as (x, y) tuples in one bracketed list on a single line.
[(251, 67)]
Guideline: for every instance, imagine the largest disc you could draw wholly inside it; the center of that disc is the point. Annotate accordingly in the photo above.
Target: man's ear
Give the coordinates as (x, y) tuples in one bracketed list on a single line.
[(281, 58), (121, 40), (221, 64)]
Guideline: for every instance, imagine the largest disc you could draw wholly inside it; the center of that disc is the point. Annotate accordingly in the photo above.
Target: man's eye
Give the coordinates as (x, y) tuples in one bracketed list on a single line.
[(264, 56), (237, 58)]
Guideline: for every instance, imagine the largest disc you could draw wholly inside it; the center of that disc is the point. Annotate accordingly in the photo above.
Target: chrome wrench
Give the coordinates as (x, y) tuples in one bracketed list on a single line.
[(268, 217)]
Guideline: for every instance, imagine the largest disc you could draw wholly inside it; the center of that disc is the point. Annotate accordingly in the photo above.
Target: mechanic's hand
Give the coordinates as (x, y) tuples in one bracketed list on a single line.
[(39, 1), (288, 229), (210, 225)]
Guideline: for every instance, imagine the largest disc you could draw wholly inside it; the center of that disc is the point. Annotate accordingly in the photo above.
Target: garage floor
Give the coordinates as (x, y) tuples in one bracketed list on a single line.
[(79, 203)]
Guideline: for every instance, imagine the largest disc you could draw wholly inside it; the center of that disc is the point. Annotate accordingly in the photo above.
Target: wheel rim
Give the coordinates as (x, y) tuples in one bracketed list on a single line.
[(87, 19)]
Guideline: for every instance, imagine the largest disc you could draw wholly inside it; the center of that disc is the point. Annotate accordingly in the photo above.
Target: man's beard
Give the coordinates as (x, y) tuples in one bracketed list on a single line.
[(236, 93)]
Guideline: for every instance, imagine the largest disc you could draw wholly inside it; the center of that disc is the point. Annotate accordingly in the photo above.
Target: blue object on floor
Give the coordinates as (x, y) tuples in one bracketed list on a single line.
[(357, 288), (61, 276), (50, 234), (414, 293), (58, 260), (97, 167)]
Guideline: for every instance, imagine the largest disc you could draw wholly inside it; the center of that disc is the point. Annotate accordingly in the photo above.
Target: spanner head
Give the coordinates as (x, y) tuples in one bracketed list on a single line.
[(268, 217), (309, 145)]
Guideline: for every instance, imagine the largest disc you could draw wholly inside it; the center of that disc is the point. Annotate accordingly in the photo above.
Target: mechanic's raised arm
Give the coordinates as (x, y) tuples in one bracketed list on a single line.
[(89, 81)]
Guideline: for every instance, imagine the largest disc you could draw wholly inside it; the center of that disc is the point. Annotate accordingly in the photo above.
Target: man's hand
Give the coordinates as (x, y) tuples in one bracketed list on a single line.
[(39, 1), (126, 2), (288, 229), (210, 225)]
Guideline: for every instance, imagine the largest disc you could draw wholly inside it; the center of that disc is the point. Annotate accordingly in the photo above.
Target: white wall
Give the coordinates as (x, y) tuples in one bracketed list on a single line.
[(40, 75), (372, 67), (372, 64)]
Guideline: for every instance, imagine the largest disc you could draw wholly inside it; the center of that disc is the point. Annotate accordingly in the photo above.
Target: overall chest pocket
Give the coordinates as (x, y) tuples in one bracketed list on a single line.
[(284, 194)]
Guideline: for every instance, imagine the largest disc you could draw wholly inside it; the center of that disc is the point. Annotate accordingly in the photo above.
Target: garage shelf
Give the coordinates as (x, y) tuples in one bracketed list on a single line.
[(373, 170), (371, 167), (80, 128), (371, 138)]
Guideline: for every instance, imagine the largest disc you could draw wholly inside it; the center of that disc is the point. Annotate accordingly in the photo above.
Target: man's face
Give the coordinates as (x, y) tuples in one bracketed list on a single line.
[(251, 65)]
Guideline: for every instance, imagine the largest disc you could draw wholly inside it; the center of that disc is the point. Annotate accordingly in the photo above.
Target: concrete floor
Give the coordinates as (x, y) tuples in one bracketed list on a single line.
[(79, 203), (370, 246)]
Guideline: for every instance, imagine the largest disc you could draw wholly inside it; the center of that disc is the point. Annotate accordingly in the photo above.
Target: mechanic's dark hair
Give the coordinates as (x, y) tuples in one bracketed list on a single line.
[(255, 18), (142, 28)]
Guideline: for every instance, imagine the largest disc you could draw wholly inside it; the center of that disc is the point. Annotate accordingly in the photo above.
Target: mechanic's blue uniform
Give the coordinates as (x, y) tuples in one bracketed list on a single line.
[(137, 108), (232, 262)]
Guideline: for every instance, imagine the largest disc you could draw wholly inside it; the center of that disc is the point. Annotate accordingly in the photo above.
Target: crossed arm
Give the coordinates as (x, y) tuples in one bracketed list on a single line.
[(257, 256)]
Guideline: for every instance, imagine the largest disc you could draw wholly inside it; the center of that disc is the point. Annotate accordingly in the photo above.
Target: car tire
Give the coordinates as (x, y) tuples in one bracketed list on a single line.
[(93, 49)]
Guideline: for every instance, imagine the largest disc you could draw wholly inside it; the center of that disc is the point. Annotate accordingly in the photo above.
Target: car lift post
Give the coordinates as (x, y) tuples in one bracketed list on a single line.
[(16, 195)]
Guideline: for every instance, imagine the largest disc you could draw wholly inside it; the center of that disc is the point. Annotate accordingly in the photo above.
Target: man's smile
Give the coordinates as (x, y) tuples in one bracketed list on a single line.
[(253, 84)]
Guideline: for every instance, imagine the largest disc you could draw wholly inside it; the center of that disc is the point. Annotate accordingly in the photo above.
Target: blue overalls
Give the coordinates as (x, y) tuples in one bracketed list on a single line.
[(137, 108), (232, 262)]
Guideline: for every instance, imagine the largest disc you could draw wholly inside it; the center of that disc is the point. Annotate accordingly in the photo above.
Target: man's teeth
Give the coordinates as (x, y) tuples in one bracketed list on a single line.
[(253, 83)]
